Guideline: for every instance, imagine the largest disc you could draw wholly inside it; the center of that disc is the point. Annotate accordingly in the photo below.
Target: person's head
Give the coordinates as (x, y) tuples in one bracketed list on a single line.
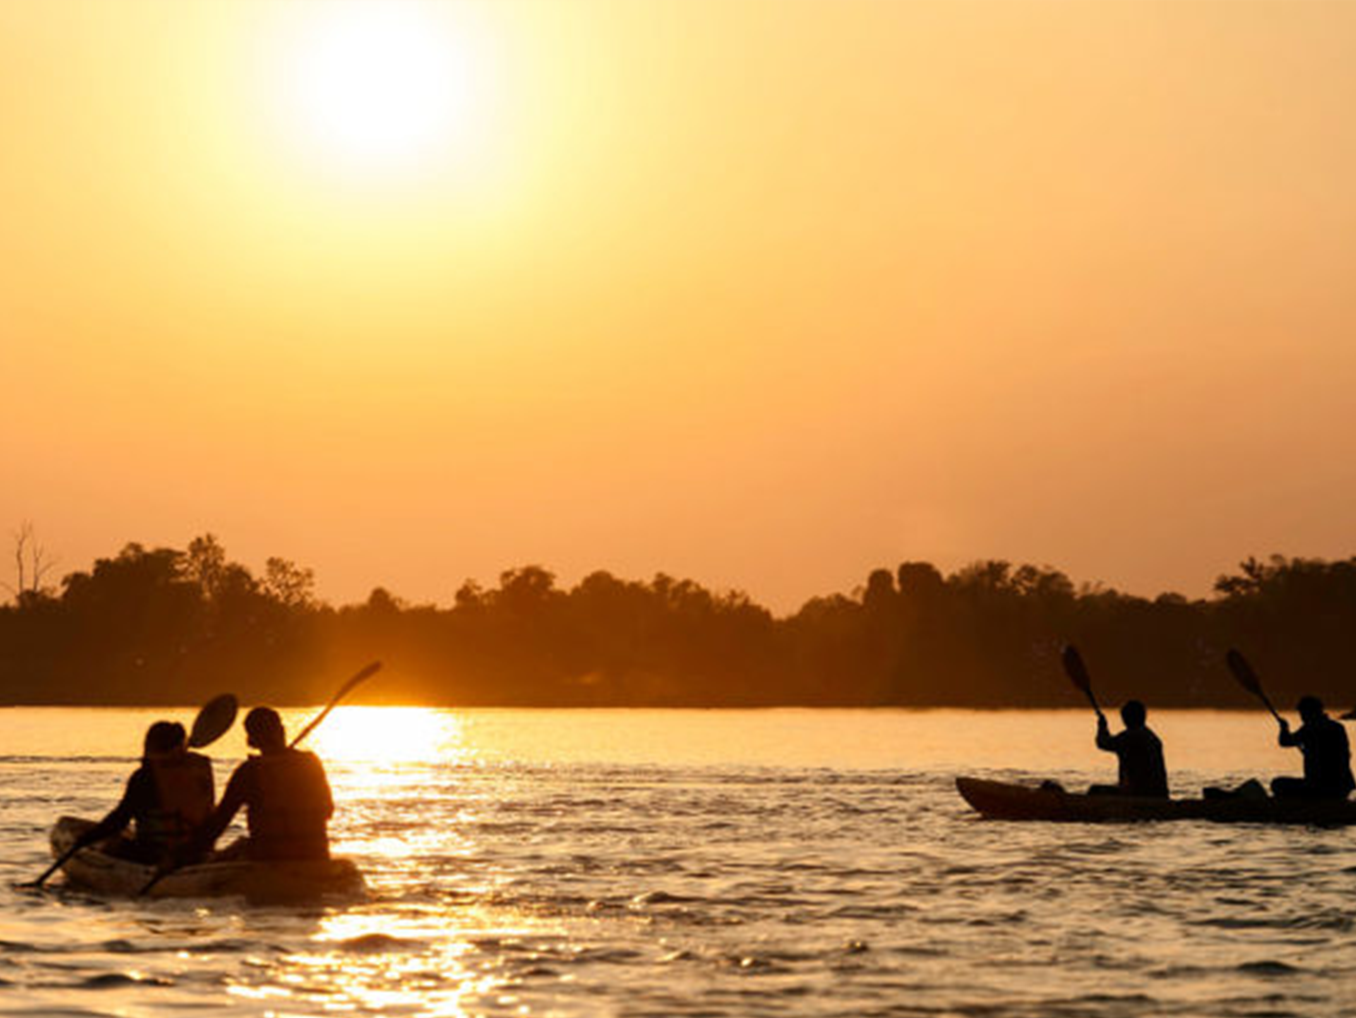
[(1133, 714), (1310, 708), (265, 729), (165, 737)]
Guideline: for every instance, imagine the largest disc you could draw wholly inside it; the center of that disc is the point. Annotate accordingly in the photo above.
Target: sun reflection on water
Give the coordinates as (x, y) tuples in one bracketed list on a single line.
[(424, 940), (422, 959), (391, 735)]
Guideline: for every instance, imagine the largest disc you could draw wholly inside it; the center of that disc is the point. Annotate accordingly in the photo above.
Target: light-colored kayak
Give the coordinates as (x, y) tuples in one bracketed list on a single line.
[(261, 882), (999, 800)]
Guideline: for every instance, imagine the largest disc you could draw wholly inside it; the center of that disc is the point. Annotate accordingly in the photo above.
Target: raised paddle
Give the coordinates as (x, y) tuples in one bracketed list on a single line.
[(1247, 678), (213, 721), (1078, 675), (362, 675)]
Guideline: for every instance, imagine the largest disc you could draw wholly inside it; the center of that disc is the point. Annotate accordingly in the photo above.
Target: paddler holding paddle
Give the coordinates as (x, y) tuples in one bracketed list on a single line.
[(284, 792), (1327, 755), (1322, 740), (1139, 752), (166, 801)]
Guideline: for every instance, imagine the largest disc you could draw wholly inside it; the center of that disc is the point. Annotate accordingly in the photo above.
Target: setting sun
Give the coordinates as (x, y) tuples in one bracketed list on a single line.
[(379, 85)]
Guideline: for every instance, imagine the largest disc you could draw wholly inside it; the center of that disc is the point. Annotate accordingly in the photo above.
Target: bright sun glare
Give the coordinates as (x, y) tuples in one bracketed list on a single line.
[(388, 735), (381, 83)]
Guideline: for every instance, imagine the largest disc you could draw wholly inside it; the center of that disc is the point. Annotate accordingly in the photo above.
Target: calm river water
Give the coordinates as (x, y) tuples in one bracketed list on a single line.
[(710, 863)]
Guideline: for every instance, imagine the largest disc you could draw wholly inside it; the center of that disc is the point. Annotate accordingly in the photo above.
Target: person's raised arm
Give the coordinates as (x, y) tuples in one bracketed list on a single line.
[(120, 815), (1105, 740), (1286, 737)]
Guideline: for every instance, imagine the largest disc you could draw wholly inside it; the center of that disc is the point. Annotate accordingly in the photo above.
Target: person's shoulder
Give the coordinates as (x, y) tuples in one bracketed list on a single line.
[(310, 763), (198, 759)]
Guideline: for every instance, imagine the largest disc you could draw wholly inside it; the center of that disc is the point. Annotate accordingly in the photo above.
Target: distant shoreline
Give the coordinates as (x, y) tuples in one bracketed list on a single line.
[(152, 626)]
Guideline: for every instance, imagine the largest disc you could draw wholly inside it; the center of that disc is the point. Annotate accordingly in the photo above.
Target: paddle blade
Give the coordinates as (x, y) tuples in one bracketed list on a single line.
[(1076, 669), (213, 721), (1247, 678)]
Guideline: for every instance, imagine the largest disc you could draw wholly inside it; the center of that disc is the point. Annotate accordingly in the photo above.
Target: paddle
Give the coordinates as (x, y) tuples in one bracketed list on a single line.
[(362, 675), (1247, 678), (1078, 674), (213, 721)]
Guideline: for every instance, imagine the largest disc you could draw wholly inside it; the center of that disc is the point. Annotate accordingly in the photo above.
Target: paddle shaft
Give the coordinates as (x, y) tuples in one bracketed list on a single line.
[(362, 675), (1093, 700), (61, 861), (1267, 703), (1247, 678), (1078, 675)]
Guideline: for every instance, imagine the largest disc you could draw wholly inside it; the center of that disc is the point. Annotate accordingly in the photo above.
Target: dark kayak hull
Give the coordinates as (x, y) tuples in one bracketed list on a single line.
[(999, 800), (262, 882)]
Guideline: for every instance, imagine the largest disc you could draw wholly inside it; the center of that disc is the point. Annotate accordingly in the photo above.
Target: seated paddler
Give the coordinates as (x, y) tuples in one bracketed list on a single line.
[(284, 792), (167, 800), (1327, 755), (1139, 754)]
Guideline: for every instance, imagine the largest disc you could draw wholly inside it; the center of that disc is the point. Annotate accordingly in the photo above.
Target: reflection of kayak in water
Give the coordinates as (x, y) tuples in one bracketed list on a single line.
[(998, 800), (99, 871)]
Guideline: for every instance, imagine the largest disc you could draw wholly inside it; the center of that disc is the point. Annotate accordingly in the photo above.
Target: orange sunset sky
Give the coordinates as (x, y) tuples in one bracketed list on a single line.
[(766, 294)]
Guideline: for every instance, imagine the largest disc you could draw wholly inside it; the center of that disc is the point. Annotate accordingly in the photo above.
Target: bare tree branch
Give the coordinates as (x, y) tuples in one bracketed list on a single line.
[(32, 563)]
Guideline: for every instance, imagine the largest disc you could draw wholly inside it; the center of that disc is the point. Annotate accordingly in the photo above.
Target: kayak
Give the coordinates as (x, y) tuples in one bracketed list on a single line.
[(263, 882), (998, 800)]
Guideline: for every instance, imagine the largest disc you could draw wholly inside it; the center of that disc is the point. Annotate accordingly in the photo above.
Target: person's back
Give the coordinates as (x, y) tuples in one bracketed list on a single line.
[(1141, 769), (1327, 755), (167, 799), (285, 794), (183, 786), (289, 806)]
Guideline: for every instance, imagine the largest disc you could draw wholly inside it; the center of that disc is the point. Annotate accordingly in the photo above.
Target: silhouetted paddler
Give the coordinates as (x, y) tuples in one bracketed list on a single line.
[(167, 799), (285, 794), (1327, 755), (1139, 753)]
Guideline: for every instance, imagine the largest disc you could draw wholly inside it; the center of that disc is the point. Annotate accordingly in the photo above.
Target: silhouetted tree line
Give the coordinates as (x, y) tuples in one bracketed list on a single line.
[(160, 625)]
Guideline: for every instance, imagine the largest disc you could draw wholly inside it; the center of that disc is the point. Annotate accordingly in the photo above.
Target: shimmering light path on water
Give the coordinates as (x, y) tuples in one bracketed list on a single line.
[(700, 863)]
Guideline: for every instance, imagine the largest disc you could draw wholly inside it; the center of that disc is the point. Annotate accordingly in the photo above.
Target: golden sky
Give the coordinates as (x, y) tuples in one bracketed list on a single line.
[(762, 293)]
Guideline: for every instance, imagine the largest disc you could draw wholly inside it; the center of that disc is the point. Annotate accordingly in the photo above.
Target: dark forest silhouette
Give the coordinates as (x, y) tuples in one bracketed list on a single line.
[(164, 626)]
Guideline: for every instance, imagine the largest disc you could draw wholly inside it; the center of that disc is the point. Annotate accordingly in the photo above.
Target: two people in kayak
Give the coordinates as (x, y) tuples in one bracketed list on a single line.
[(168, 801), (1321, 739)]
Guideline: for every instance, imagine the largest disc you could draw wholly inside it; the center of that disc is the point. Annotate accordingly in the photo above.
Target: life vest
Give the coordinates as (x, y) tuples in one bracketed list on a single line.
[(183, 800), (290, 807)]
